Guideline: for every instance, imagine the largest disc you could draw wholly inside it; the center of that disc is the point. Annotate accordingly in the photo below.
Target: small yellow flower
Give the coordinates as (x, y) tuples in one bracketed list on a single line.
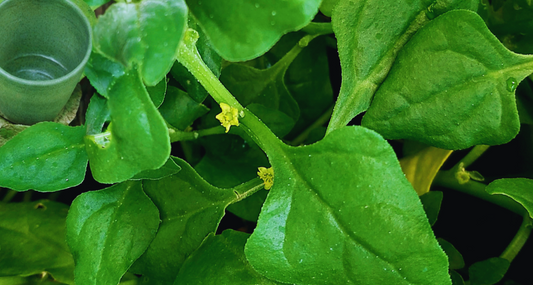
[(228, 117), (267, 175)]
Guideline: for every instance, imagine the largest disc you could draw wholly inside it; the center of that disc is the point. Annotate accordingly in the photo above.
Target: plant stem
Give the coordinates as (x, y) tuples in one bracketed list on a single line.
[(53, 196), (472, 156), (177, 135), (324, 118), (27, 196), (447, 179), (519, 239), (188, 55), (315, 28), (247, 189), (9, 195)]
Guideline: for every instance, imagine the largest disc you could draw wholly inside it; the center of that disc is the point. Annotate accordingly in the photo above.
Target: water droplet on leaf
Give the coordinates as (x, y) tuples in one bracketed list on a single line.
[(511, 84)]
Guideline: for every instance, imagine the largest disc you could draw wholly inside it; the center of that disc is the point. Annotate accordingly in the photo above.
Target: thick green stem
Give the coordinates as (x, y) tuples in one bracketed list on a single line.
[(177, 135), (448, 179), (472, 156), (188, 55), (519, 239), (315, 28), (247, 189)]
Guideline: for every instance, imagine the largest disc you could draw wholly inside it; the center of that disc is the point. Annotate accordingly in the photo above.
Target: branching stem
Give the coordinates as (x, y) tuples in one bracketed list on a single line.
[(519, 239)]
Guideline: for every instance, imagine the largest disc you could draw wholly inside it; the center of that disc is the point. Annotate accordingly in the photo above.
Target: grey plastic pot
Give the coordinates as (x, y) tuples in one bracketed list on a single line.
[(44, 46)]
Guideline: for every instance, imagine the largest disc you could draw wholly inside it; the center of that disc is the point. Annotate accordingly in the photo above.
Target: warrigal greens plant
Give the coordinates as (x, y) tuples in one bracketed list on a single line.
[(325, 128)]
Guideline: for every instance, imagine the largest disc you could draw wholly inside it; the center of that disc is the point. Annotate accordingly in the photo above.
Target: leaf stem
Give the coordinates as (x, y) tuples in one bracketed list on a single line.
[(247, 189), (324, 118), (315, 28), (472, 156), (9, 195), (519, 239), (27, 196), (177, 135), (449, 180)]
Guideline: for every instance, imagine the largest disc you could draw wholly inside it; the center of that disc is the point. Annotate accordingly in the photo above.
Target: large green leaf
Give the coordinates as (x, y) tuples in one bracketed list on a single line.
[(45, 157), (107, 230), (33, 240), (369, 35), (144, 32), (137, 138), (220, 260), (190, 209), (243, 30), (519, 189), (341, 211), (458, 92), (102, 72)]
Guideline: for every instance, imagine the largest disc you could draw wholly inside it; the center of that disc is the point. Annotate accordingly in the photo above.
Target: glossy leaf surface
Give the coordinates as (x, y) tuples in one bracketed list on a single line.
[(33, 240), (137, 138), (45, 157), (102, 72), (180, 110), (458, 93), (157, 92), (190, 209), (519, 189), (220, 260), (146, 33), (170, 167), (236, 38), (97, 115), (366, 228), (107, 230), (369, 35)]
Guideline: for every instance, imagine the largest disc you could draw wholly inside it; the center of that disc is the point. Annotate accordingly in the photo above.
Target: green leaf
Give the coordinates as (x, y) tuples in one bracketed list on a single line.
[(431, 202), (459, 93), (157, 93), (243, 30), (220, 260), (421, 166), (190, 209), (86, 10), (45, 157), (230, 161), (180, 110), (341, 211), (170, 167), (97, 115), (519, 189), (454, 256), (33, 240), (457, 279), (96, 3), (137, 138), (145, 32), (107, 230), (102, 72), (488, 272), (32, 280), (513, 17), (369, 35)]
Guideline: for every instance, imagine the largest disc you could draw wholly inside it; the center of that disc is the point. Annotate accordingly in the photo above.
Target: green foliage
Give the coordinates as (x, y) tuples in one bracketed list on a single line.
[(223, 23), (54, 158), (329, 228), (458, 94), (33, 240), (107, 230), (220, 260), (519, 189), (344, 207)]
